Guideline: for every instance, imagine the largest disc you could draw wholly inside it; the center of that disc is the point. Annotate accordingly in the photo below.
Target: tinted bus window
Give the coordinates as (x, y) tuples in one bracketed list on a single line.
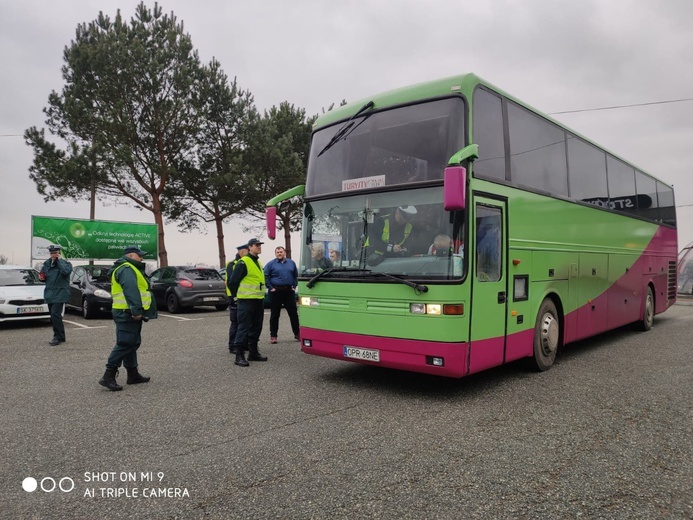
[(587, 167), (399, 146), (537, 152), (646, 187), (488, 243), (665, 197), (488, 134), (621, 179)]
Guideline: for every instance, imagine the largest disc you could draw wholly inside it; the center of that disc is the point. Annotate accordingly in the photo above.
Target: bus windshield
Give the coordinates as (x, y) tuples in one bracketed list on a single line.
[(377, 149), (380, 233)]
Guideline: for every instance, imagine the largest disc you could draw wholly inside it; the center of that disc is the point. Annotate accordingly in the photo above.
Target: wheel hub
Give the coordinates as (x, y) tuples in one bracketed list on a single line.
[(549, 334)]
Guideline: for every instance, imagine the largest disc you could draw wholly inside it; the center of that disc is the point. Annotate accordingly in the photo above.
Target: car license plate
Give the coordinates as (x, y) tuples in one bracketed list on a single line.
[(364, 354), (29, 310), (210, 299)]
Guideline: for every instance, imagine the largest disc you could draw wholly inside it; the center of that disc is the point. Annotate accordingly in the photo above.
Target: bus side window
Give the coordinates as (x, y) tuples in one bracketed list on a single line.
[(488, 248)]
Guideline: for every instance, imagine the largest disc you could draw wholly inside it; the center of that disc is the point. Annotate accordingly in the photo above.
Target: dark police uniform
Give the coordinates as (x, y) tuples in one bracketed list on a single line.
[(247, 284), (56, 273), (132, 297)]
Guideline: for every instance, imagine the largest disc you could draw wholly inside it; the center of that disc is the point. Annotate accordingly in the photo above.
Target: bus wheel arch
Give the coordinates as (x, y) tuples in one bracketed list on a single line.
[(548, 334), (648, 309)]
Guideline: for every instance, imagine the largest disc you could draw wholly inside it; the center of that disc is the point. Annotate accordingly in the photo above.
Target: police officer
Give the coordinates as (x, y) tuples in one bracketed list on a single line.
[(247, 284), (233, 307), (133, 303), (56, 273), (390, 235)]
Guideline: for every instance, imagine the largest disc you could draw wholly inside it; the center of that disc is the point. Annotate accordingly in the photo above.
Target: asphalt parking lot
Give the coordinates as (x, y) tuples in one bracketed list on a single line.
[(606, 433)]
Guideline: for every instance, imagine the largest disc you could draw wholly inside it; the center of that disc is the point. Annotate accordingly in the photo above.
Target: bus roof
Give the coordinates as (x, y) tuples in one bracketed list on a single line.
[(461, 84)]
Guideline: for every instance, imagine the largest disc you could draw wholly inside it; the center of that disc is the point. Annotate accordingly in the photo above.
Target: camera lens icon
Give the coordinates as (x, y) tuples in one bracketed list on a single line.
[(48, 484)]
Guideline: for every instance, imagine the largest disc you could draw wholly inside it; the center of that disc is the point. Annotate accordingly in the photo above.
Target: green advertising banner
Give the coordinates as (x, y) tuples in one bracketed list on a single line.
[(91, 239)]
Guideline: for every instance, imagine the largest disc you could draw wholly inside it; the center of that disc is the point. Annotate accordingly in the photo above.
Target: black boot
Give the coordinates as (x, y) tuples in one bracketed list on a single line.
[(240, 358), (109, 380), (134, 376), (255, 354)]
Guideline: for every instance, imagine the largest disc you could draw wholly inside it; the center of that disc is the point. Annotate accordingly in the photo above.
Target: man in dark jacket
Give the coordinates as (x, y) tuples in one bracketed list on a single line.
[(56, 273), (233, 305), (133, 303)]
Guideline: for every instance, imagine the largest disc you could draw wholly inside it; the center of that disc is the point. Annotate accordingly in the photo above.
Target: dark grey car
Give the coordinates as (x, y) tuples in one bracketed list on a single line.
[(177, 287), (90, 290)]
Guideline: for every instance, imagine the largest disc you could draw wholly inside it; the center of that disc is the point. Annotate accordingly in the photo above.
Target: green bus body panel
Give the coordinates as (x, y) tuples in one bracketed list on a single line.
[(382, 310)]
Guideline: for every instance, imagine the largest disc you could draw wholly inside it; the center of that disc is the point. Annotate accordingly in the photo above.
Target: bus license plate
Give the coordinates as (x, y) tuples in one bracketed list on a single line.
[(29, 310), (364, 354)]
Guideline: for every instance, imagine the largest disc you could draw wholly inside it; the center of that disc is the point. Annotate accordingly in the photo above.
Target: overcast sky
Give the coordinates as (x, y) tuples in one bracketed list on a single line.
[(556, 55)]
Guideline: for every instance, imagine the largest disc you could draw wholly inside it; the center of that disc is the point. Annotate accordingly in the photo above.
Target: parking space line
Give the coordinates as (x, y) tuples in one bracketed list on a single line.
[(84, 326), (180, 318)]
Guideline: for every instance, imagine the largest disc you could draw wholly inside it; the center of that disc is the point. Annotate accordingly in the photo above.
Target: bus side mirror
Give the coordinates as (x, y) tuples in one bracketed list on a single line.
[(454, 188), (271, 216)]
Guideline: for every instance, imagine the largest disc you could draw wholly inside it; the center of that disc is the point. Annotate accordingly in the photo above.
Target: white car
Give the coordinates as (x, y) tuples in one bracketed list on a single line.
[(21, 294)]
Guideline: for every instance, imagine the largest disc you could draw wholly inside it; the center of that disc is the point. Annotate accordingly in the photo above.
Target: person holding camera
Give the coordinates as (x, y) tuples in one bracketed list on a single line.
[(55, 272), (133, 303)]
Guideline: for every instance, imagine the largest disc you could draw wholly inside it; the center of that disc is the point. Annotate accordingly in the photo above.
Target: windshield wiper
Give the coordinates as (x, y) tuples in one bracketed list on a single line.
[(347, 128), (315, 278), (413, 285)]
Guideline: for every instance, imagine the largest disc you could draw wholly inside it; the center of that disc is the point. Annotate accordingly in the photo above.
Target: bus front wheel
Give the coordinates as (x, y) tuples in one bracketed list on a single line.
[(547, 336)]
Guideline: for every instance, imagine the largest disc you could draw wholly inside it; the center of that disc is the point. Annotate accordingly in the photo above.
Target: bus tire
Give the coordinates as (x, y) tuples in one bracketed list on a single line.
[(647, 320), (547, 336)]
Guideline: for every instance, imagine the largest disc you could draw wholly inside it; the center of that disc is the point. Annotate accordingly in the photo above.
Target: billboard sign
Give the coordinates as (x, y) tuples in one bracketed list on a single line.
[(90, 239)]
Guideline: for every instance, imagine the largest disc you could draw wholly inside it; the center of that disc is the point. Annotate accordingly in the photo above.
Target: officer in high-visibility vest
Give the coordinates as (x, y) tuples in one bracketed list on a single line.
[(390, 235), (233, 307), (133, 303), (247, 284)]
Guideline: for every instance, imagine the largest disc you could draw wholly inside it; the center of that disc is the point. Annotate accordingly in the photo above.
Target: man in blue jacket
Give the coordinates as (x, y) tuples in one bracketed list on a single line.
[(281, 276), (56, 273), (133, 303)]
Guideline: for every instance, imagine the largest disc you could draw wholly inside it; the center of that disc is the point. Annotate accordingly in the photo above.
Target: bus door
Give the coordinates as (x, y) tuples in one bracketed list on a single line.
[(489, 285)]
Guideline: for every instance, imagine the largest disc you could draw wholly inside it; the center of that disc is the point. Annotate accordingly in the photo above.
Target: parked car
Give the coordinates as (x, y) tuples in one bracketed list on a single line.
[(176, 287), (90, 290), (21, 294)]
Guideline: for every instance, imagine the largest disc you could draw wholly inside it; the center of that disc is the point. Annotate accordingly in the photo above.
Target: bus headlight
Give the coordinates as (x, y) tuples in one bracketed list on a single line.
[(417, 308), (425, 308), (433, 308), (309, 301), (436, 309)]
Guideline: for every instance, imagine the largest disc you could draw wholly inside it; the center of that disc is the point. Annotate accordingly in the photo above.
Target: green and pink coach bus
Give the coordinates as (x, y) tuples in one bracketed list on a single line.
[(449, 228)]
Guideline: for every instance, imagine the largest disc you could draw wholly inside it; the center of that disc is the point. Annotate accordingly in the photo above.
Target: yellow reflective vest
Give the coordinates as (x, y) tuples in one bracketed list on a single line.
[(119, 301), (385, 237), (252, 286)]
